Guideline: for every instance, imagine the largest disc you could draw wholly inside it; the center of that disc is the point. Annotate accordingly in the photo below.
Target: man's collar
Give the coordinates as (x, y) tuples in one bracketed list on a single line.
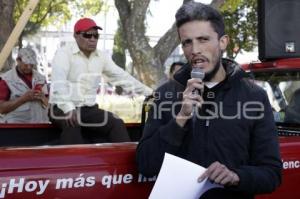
[(232, 71), (183, 74)]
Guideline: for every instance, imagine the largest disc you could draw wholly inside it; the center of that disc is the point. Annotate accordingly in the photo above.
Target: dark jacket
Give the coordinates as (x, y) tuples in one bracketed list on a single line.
[(245, 145)]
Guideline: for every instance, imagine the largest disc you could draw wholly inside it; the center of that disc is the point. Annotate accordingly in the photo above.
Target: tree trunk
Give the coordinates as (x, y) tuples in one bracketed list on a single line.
[(7, 25), (147, 61)]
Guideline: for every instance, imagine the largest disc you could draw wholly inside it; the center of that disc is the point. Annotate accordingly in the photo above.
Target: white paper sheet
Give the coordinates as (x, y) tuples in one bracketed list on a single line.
[(177, 179)]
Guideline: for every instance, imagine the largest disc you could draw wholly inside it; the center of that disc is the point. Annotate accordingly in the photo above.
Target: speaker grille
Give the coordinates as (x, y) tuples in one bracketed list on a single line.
[(278, 29)]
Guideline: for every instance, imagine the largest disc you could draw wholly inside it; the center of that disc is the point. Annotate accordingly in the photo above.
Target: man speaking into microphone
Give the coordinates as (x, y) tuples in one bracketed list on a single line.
[(233, 134)]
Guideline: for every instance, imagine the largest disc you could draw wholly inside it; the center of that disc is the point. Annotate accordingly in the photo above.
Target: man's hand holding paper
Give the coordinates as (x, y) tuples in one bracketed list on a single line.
[(177, 179)]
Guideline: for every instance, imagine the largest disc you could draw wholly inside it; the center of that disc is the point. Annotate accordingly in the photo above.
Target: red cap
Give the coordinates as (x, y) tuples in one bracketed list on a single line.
[(85, 24)]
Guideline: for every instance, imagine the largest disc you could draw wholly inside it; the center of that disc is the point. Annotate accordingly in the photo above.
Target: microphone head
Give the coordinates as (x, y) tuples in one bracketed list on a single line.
[(197, 73)]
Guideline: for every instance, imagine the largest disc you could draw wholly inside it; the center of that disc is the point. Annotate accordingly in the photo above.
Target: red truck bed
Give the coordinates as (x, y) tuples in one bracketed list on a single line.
[(102, 170)]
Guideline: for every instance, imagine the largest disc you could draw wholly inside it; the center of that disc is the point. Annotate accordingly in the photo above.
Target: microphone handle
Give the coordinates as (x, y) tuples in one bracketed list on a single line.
[(196, 92)]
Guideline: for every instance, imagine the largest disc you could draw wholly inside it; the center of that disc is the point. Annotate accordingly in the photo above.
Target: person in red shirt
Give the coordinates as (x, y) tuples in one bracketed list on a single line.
[(22, 91)]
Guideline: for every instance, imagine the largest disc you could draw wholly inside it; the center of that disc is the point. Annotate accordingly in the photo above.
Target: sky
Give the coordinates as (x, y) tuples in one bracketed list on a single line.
[(163, 15)]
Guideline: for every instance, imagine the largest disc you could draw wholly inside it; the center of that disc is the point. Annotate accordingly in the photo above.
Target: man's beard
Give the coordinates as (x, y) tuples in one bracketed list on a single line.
[(209, 75)]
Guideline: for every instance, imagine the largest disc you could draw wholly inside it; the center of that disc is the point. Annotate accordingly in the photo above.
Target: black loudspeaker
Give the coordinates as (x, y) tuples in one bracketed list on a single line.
[(278, 29)]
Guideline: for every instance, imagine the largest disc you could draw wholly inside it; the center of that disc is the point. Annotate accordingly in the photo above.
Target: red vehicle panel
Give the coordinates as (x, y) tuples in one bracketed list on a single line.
[(102, 171), (83, 171)]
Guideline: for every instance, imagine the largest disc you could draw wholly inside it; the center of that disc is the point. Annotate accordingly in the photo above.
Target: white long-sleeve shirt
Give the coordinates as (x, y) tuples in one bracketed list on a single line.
[(75, 78)]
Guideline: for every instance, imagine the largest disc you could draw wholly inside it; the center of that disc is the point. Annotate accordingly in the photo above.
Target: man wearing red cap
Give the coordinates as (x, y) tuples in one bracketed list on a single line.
[(76, 73)]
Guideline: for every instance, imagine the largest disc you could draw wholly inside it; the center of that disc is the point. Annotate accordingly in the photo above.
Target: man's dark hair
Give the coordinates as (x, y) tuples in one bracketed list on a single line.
[(192, 11), (172, 67)]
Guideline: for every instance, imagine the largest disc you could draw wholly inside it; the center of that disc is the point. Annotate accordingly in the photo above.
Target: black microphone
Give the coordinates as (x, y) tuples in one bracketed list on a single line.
[(197, 73)]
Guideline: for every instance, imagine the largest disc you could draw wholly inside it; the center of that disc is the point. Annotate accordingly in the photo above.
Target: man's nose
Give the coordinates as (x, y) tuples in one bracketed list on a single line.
[(93, 39), (196, 48)]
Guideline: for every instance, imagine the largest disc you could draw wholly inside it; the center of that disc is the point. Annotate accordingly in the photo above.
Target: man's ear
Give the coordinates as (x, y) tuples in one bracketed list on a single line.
[(224, 41)]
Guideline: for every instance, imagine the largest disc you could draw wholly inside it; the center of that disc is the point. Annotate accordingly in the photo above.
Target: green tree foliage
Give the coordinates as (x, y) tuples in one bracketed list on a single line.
[(241, 25), (87, 7), (55, 12), (46, 12)]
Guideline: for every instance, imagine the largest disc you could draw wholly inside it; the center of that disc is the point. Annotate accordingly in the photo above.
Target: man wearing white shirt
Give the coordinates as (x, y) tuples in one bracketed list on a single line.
[(76, 73)]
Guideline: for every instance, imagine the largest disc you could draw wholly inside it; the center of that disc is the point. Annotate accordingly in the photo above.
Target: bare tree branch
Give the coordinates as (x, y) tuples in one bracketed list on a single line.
[(139, 7), (167, 43), (124, 11)]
